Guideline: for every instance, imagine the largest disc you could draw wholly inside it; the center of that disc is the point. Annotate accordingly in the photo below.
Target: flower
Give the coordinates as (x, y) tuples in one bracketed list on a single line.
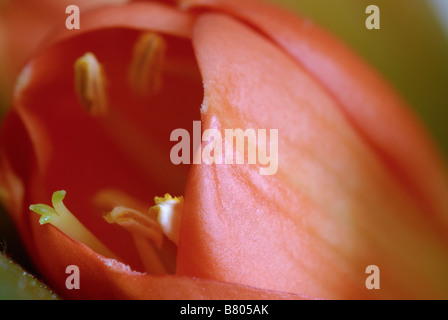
[(93, 112)]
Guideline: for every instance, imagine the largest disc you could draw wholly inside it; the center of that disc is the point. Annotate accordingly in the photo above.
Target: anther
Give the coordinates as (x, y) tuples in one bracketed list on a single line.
[(90, 84), (145, 72)]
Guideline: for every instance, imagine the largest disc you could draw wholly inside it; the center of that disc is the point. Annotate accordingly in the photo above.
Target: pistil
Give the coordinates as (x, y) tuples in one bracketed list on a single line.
[(60, 217)]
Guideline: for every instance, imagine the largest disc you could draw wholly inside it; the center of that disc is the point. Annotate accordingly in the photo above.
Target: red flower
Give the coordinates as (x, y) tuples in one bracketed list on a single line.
[(358, 183)]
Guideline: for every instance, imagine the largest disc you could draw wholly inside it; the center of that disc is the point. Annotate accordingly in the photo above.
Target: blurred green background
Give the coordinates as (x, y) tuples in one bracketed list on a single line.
[(410, 50)]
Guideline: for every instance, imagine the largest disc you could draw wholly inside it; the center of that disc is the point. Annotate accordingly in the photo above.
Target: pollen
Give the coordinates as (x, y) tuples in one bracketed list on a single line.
[(145, 71), (90, 84), (168, 211)]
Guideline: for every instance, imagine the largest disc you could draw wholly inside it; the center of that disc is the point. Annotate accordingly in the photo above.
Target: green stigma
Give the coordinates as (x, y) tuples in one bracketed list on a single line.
[(46, 212), (60, 217)]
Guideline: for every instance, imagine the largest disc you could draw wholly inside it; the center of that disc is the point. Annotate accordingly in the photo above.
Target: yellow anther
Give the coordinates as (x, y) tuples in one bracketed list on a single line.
[(168, 211), (91, 84), (145, 72)]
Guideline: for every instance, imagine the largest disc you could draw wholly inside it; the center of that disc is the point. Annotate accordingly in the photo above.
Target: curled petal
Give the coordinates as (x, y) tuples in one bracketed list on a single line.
[(331, 210), (379, 116)]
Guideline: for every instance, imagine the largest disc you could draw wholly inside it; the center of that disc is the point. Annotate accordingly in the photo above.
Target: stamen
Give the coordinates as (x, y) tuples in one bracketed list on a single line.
[(145, 72), (168, 211), (148, 236), (90, 84), (151, 260), (107, 199), (136, 223), (60, 217)]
